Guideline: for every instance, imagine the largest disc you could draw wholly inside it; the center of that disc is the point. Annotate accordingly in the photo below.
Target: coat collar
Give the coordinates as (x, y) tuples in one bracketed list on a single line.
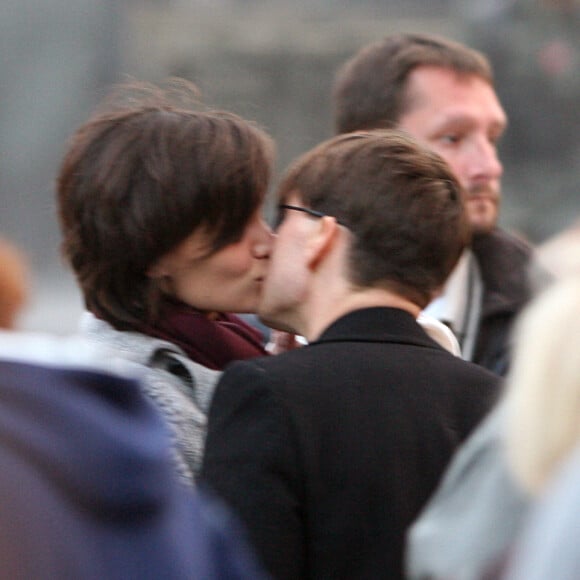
[(504, 263), (377, 324)]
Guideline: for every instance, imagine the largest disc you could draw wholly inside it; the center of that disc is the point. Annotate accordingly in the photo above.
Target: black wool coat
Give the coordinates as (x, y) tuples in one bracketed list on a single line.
[(328, 452)]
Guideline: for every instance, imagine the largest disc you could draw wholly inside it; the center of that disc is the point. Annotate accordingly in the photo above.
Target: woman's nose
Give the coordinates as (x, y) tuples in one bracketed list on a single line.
[(264, 241)]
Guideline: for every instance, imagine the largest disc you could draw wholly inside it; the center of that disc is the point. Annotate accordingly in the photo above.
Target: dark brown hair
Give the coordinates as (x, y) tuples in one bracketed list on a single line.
[(370, 89), (400, 201), (141, 175)]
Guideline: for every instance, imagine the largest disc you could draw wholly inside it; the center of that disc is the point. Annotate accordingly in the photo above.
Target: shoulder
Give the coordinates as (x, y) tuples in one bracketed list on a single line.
[(475, 372), (165, 368), (470, 392), (506, 264), (474, 385), (283, 377), (501, 239), (258, 392), (249, 379), (500, 249), (130, 345), (268, 371)]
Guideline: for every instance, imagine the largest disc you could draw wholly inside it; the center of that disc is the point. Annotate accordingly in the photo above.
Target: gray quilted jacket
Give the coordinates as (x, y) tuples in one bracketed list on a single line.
[(180, 388)]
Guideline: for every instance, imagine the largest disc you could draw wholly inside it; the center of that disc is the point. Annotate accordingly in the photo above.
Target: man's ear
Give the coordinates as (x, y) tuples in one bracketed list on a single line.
[(321, 241)]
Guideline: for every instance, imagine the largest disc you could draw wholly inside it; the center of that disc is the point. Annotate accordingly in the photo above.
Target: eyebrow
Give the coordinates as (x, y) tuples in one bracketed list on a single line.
[(465, 119)]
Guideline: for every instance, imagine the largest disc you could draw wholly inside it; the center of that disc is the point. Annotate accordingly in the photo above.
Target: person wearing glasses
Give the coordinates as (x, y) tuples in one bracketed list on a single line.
[(160, 206), (329, 451)]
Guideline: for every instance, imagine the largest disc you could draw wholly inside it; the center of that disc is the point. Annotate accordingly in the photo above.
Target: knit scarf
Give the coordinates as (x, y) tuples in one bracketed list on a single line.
[(210, 339)]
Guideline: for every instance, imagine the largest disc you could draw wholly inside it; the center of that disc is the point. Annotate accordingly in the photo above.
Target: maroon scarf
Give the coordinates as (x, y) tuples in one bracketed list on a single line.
[(213, 340)]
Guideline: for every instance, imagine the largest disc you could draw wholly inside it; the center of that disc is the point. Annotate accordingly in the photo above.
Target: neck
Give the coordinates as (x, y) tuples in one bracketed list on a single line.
[(321, 311), (324, 292)]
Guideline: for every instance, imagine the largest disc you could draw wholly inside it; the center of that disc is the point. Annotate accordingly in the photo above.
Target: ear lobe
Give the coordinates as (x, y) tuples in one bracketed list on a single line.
[(321, 241)]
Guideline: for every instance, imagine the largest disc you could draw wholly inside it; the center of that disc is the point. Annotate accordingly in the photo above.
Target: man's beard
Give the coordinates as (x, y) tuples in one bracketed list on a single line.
[(490, 196)]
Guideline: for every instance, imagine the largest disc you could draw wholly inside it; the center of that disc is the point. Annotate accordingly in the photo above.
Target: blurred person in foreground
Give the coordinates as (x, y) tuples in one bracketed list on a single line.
[(547, 548), (87, 485), (543, 433), (489, 495), (13, 284), (160, 205), (329, 451), (442, 93), (560, 254)]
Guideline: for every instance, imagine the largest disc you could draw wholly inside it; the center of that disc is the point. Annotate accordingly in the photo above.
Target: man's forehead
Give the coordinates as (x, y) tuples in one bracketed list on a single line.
[(453, 96), (467, 118)]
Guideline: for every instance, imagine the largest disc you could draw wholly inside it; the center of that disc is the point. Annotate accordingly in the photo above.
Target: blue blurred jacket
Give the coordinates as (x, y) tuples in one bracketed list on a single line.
[(87, 487)]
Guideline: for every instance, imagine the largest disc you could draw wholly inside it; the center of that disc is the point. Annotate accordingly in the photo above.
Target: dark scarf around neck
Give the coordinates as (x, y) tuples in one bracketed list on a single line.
[(212, 340)]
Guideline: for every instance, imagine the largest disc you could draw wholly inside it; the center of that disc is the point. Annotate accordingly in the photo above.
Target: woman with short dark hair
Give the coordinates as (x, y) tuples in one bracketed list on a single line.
[(160, 208)]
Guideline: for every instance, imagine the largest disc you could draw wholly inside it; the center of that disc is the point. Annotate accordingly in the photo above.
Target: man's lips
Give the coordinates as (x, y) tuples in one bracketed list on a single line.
[(482, 193), (481, 198)]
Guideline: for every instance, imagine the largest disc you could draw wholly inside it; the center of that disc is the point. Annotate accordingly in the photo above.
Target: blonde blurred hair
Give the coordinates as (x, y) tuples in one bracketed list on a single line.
[(543, 388), (13, 284)]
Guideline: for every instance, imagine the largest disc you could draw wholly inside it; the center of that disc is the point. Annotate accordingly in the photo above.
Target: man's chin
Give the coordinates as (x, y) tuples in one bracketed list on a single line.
[(270, 319), (482, 224), (482, 213)]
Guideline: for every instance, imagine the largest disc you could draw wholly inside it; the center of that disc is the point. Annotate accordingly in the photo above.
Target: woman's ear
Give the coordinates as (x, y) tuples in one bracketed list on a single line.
[(322, 240)]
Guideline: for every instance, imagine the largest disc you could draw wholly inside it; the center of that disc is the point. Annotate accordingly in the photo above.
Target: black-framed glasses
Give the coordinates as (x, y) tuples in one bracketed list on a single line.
[(282, 213)]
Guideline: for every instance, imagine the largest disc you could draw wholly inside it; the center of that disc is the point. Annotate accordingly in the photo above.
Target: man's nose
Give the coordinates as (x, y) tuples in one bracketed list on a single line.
[(485, 162)]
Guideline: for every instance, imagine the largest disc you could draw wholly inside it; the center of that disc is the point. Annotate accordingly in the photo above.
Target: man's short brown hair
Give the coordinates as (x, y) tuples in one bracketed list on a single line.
[(400, 201), (370, 89)]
